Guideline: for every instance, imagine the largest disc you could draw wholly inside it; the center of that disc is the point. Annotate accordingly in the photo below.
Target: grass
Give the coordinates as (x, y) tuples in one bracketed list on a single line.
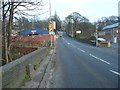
[(35, 66), (26, 78), (48, 51)]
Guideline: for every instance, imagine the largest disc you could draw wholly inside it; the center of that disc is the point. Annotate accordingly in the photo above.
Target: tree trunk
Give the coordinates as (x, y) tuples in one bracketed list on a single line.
[(9, 30), (4, 36)]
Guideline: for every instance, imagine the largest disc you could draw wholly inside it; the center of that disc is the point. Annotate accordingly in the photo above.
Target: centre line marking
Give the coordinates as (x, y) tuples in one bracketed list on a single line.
[(89, 54), (115, 72), (100, 59), (82, 50), (68, 43)]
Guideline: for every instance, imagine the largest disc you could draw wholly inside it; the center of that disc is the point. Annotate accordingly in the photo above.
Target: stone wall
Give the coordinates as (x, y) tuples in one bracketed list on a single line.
[(14, 73)]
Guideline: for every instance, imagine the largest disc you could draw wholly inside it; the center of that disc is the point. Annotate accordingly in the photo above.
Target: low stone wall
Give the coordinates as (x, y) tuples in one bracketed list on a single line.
[(14, 73), (104, 44)]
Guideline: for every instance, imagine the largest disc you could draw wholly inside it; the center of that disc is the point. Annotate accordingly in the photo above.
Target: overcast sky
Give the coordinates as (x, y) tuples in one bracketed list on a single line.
[(92, 9)]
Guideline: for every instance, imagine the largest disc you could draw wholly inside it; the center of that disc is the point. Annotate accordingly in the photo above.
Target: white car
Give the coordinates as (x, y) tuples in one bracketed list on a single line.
[(101, 39), (60, 34)]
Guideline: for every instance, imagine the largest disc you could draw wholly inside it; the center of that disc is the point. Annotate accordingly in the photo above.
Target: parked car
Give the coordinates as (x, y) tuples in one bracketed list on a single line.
[(101, 40), (60, 34)]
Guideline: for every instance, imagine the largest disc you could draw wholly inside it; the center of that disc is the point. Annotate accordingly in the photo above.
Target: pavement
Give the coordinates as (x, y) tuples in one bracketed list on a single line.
[(42, 76), (115, 45)]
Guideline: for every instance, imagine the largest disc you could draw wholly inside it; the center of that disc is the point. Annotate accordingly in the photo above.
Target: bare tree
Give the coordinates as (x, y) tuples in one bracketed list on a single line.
[(9, 9), (80, 23), (103, 21)]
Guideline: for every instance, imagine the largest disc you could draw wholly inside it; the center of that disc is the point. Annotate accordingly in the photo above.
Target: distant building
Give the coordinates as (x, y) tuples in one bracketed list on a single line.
[(35, 31), (111, 33)]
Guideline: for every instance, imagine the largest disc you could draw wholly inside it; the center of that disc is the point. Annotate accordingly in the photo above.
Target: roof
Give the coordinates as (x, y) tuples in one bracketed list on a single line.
[(110, 26), (33, 31)]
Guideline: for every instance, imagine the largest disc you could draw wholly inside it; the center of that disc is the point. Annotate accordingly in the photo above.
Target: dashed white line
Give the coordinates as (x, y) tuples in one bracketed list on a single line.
[(115, 72), (100, 59), (94, 57), (89, 54), (82, 50), (68, 43)]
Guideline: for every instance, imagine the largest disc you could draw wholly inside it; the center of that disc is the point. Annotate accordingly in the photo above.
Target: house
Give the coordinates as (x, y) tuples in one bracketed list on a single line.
[(34, 36), (111, 33), (35, 31)]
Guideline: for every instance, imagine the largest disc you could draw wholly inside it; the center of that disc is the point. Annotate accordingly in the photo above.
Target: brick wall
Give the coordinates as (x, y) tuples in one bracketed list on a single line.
[(14, 73), (34, 39)]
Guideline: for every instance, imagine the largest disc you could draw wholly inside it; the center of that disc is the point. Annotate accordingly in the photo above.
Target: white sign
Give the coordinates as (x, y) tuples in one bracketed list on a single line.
[(54, 24), (52, 33), (78, 31)]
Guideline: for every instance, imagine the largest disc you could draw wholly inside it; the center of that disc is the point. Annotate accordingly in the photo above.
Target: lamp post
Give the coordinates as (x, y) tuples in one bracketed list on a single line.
[(97, 35), (72, 21), (50, 8), (33, 23), (50, 20)]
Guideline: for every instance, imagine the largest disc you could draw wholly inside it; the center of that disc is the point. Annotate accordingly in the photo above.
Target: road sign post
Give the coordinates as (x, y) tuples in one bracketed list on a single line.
[(51, 27), (51, 30)]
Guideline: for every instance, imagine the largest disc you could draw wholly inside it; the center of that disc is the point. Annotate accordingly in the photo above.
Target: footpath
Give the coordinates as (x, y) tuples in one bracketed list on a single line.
[(115, 45), (42, 77)]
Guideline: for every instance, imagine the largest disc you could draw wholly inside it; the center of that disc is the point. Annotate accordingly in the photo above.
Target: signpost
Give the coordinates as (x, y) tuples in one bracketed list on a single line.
[(51, 26), (78, 32), (51, 30)]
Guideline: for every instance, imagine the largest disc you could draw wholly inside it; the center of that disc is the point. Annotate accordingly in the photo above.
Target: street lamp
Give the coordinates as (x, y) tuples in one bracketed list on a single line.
[(50, 8), (50, 20), (33, 22), (96, 35), (72, 21)]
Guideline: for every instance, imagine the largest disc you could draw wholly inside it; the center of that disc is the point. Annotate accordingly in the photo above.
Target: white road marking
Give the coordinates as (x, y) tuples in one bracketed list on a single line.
[(100, 59), (115, 72), (85, 51), (68, 43), (82, 50)]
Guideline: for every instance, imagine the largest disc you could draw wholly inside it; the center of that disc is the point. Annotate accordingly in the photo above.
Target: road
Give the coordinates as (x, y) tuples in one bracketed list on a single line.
[(80, 65)]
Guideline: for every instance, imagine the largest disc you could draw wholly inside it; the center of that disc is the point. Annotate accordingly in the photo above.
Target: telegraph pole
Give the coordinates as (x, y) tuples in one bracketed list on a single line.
[(72, 21), (50, 8), (96, 35), (50, 20)]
